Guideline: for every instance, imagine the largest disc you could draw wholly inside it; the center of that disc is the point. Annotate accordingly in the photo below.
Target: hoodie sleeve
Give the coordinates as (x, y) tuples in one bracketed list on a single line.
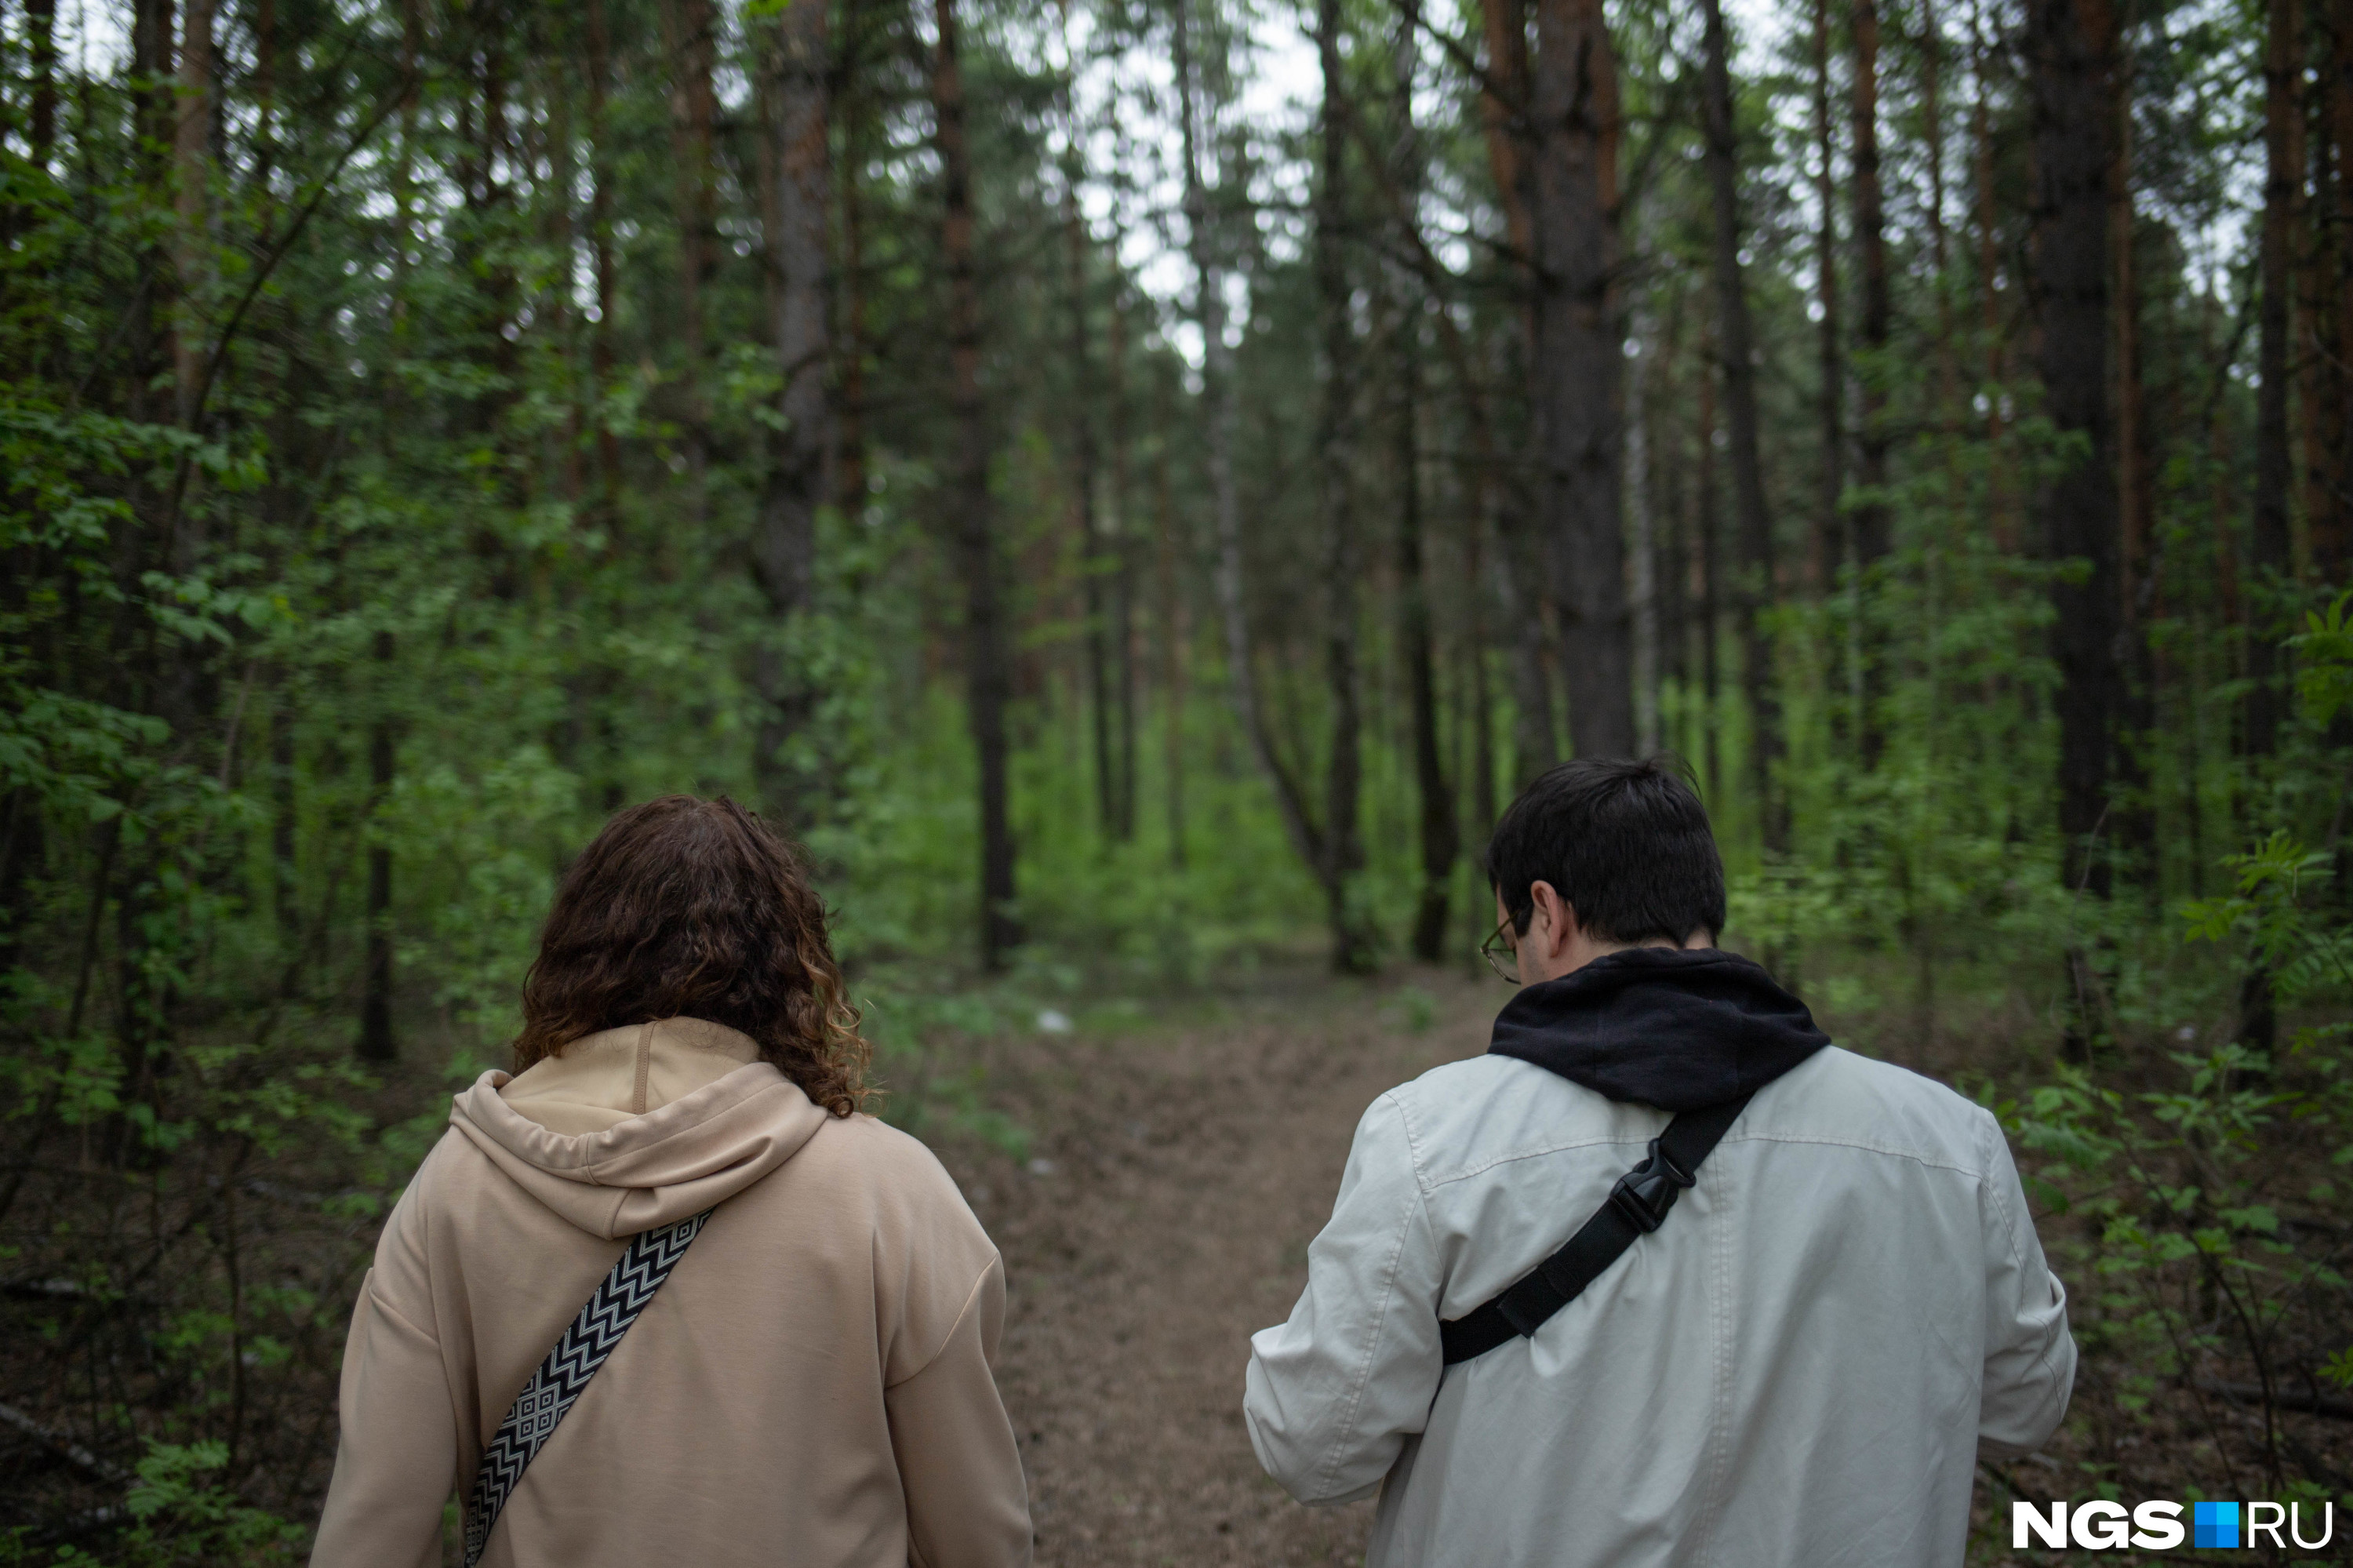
[(1332, 1395), (396, 1464), (967, 1500), (2030, 1363)]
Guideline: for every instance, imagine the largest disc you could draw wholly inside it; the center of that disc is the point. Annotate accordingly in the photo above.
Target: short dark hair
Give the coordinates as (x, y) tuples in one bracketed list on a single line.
[(1625, 844), (699, 909)]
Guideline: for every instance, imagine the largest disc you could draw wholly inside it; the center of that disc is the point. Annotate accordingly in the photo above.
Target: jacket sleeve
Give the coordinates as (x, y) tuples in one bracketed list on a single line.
[(2030, 1358), (399, 1452), (1332, 1395), (967, 1500)]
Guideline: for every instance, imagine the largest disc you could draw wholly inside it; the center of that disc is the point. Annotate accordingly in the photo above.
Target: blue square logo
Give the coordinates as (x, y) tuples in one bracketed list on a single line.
[(2214, 1524)]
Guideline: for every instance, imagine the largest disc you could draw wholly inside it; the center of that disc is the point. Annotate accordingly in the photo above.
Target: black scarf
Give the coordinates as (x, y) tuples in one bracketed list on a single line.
[(1669, 1027)]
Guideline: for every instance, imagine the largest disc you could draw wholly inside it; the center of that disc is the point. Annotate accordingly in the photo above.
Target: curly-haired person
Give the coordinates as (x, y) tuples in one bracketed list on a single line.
[(666, 1294)]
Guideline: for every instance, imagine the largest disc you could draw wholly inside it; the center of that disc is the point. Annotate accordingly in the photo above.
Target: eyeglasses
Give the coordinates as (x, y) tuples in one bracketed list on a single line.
[(1501, 939)]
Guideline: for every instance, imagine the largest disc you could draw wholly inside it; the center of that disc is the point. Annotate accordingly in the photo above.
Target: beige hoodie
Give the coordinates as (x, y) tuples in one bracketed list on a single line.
[(810, 1387)]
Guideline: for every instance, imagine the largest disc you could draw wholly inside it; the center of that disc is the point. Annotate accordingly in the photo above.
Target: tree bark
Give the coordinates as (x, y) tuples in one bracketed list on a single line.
[(192, 161), (1440, 829), (988, 653), (2331, 525), (602, 360), (377, 1043), (695, 110), (2283, 189), (2070, 52), (41, 47), (1753, 522), (1869, 520), (799, 179), (1342, 854), (1830, 351), (1574, 367), (1096, 554)]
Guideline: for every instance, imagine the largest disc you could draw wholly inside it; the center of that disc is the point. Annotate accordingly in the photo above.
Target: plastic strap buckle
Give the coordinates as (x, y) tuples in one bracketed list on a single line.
[(1645, 1194)]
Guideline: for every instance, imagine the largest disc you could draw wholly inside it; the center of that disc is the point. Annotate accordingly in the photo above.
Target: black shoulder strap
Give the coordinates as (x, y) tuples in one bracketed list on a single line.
[(1636, 1205), (577, 1353)]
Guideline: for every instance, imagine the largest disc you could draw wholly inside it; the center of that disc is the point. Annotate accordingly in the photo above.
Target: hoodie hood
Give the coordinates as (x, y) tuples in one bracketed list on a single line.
[(1671, 1027), (719, 1128)]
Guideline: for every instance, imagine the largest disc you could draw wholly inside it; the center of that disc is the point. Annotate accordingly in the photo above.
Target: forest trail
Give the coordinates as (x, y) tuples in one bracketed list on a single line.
[(1188, 1162)]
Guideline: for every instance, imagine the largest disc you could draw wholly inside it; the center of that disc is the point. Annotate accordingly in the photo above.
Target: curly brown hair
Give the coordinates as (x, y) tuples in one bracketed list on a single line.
[(685, 907)]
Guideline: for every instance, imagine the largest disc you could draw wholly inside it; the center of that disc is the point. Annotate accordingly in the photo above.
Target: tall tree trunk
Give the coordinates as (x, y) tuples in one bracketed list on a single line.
[(2071, 53), (2283, 189), (2136, 819), (1707, 546), (1122, 569), (799, 180), (1168, 615), (1440, 829), (988, 652), (602, 359), (192, 161), (41, 49), (1096, 552), (1504, 119), (1574, 367), (1643, 590), (1869, 520), (1988, 230), (694, 112), (2332, 525), (858, 116), (1754, 524), (1830, 351), (376, 1042), (1343, 856)]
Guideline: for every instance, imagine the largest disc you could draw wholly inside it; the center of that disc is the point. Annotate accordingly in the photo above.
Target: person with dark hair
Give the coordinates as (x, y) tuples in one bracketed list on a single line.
[(667, 1294), (1664, 1278)]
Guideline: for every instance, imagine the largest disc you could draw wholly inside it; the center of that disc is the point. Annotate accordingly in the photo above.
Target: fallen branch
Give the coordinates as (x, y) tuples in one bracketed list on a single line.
[(66, 1448), (2250, 1395)]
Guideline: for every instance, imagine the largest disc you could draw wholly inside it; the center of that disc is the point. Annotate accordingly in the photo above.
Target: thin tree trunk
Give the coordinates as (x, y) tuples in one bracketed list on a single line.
[(1707, 539), (1095, 556), (1574, 367), (1439, 827), (1999, 519), (1122, 569), (695, 110), (857, 105), (602, 360), (1830, 351), (377, 1043), (1174, 633), (41, 49), (2071, 49), (2275, 476), (192, 142), (1869, 520), (1341, 849), (1754, 524), (988, 653), (1504, 121), (2136, 821), (799, 183), (2331, 528), (1644, 588)]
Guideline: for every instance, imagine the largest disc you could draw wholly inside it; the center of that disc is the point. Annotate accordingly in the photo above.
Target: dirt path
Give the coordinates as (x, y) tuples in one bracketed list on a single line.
[(1191, 1161)]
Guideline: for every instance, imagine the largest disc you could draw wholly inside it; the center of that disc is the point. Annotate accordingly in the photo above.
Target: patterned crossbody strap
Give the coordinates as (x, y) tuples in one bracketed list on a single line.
[(582, 1349)]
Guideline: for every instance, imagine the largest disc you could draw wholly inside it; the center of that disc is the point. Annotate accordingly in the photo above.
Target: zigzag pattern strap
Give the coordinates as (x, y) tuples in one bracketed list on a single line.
[(557, 1384)]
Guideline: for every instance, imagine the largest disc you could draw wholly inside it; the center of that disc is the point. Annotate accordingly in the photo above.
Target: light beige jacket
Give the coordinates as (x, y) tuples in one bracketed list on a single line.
[(811, 1386)]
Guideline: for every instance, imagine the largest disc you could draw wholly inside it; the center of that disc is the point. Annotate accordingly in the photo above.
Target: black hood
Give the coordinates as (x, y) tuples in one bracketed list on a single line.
[(1675, 1028)]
